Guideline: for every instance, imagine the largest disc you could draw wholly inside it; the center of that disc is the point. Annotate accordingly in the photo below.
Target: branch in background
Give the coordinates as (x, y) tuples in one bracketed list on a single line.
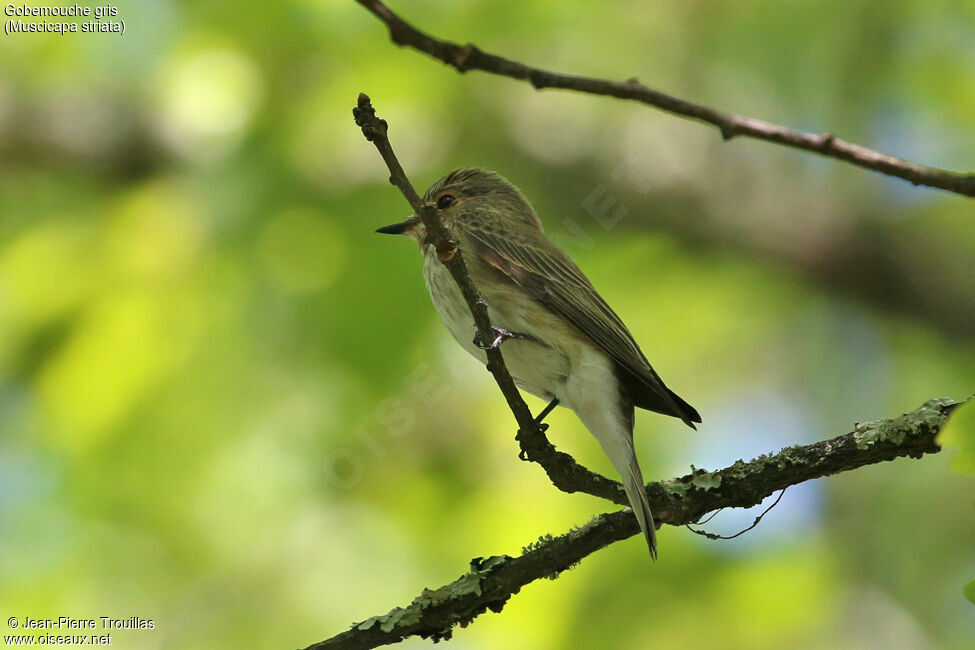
[(491, 582), (562, 469), (469, 57), (872, 263)]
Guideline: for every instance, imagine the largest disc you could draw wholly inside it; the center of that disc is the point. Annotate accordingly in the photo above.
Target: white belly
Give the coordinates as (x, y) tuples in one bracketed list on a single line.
[(559, 362), (540, 366)]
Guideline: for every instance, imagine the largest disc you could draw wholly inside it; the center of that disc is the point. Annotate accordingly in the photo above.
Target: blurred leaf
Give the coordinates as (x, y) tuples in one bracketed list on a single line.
[(960, 432)]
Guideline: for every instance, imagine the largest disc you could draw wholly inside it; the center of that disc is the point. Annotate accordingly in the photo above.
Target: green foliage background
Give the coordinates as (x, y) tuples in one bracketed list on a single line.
[(228, 406)]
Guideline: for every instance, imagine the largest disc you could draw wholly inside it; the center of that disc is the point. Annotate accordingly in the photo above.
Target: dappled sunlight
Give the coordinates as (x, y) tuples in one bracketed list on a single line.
[(227, 404), (208, 99)]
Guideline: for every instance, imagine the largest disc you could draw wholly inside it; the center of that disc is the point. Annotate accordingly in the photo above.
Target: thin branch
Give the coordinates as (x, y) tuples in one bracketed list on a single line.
[(491, 582), (741, 532), (562, 469), (470, 57)]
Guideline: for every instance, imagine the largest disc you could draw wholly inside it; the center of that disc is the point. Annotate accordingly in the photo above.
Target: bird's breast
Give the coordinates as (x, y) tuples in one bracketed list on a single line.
[(449, 302), (539, 364)]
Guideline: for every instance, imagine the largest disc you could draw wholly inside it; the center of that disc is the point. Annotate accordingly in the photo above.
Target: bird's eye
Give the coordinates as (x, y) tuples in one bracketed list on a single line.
[(444, 201)]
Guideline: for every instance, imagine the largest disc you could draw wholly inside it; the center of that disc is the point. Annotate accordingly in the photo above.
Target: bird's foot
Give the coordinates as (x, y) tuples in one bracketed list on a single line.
[(541, 427), (502, 336)]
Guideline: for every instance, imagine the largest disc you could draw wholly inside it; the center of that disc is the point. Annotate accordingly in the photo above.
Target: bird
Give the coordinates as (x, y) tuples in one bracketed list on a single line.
[(562, 341)]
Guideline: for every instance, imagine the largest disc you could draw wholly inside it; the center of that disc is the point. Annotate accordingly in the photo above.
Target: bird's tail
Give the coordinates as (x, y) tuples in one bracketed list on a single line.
[(617, 442), (605, 407), (636, 493)]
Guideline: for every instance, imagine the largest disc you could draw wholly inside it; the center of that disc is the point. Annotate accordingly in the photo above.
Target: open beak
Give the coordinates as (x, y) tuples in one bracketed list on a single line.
[(401, 228)]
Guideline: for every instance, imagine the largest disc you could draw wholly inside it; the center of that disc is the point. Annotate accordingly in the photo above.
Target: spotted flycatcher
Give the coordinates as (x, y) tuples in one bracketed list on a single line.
[(563, 342)]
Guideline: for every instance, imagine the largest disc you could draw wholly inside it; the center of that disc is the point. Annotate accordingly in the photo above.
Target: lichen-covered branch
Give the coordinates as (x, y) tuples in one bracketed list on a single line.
[(470, 57), (489, 583)]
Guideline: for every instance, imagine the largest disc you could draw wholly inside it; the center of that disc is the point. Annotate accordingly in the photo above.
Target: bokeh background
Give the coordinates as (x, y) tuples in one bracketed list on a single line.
[(228, 406)]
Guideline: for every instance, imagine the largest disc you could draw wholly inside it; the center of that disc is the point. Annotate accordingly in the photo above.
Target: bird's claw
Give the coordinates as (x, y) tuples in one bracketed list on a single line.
[(502, 336), (541, 428)]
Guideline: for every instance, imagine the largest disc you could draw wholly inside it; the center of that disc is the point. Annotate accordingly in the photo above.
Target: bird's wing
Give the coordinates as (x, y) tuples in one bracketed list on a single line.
[(551, 277)]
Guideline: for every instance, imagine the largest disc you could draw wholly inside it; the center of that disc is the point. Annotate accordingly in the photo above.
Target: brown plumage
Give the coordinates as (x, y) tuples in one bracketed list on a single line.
[(573, 346)]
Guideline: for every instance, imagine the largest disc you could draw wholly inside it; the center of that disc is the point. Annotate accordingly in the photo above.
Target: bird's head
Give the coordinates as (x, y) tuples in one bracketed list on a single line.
[(478, 197)]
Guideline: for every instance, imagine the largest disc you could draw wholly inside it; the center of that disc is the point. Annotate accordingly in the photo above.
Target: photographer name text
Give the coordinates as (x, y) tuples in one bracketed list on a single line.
[(68, 623)]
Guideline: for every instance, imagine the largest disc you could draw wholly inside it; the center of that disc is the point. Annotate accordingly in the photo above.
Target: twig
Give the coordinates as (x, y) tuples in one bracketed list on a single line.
[(564, 472), (490, 583), (741, 532), (470, 57)]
